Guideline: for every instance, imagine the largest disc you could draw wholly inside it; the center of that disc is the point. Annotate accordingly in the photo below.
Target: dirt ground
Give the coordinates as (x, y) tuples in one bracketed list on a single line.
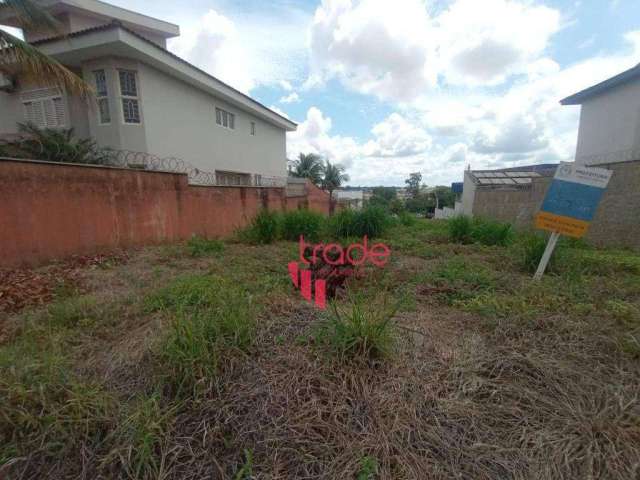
[(488, 375)]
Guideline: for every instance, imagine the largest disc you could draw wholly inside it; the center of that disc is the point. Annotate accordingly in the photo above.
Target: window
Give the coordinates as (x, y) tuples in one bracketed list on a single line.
[(129, 92), (104, 115), (253, 128), (45, 108), (225, 119), (233, 178)]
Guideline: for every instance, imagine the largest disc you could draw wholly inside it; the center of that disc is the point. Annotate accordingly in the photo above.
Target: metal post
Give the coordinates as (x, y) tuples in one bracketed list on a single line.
[(546, 256)]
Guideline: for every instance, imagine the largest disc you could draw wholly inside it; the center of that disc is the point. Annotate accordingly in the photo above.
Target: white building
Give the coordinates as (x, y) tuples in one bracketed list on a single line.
[(351, 198), (148, 99), (609, 119)]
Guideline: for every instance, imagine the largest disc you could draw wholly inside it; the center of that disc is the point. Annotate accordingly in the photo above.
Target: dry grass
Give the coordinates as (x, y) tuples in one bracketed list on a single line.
[(467, 393)]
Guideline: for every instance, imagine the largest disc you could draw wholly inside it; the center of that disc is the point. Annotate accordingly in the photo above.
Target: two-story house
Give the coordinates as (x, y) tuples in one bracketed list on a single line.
[(609, 128), (147, 99)]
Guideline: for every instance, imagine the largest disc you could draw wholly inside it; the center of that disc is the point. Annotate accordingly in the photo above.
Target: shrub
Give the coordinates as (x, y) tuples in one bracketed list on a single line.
[(202, 247), (361, 329), (489, 232), (460, 229), (264, 228), (302, 222), (55, 145)]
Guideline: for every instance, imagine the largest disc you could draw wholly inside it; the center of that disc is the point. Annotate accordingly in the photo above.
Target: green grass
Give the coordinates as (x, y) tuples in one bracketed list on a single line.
[(46, 408), (263, 229), (371, 221), (457, 279), (210, 317), (360, 329), (463, 229), (302, 222), (139, 438), (203, 247)]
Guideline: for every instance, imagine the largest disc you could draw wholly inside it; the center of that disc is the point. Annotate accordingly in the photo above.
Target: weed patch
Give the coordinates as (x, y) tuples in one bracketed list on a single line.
[(203, 247), (361, 329), (302, 222)]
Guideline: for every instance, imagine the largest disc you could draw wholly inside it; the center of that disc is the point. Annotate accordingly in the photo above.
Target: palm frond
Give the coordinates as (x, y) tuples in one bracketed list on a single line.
[(31, 15), (18, 55)]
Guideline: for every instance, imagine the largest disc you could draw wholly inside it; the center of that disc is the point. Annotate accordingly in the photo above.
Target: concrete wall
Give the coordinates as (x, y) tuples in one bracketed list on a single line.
[(49, 210), (468, 194), (617, 220), (610, 122)]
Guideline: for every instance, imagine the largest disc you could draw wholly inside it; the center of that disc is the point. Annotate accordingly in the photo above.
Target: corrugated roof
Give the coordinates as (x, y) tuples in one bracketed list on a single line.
[(597, 89), (514, 176)]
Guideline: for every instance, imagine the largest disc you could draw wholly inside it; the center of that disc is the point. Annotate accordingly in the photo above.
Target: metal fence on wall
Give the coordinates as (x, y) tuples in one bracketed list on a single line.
[(145, 161)]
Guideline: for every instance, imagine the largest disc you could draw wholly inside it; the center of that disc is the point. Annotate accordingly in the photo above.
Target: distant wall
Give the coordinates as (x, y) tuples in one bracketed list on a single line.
[(617, 221), (50, 210)]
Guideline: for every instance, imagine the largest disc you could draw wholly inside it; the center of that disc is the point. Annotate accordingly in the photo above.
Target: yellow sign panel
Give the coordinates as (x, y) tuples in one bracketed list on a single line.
[(571, 227)]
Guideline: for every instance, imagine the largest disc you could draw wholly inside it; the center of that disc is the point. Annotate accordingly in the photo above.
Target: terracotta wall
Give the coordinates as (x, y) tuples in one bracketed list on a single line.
[(49, 211)]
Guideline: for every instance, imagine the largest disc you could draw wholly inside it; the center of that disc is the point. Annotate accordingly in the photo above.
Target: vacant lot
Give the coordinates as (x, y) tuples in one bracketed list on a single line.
[(201, 361)]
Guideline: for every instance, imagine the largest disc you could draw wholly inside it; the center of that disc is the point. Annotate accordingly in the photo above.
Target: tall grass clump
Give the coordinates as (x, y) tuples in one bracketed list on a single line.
[(342, 224), (490, 232), (361, 329), (371, 221), (210, 317), (460, 228), (198, 246), (407, 219), (532, 247), (302, 222), (264, 228), (464, 229)]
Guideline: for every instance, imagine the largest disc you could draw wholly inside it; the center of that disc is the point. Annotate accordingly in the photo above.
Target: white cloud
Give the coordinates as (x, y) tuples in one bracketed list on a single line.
[(293, 97), (314, 136), (279, 112), (373, 46), (482, 43), (246, 49), (396, 137), (397, 50)]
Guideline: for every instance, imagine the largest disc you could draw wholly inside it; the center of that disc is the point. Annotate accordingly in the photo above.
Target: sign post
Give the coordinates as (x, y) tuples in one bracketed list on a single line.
[(570, 204)]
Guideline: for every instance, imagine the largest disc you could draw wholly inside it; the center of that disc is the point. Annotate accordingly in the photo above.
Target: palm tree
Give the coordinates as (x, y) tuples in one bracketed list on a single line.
[(18, 56), (309, 166), (334, 175)]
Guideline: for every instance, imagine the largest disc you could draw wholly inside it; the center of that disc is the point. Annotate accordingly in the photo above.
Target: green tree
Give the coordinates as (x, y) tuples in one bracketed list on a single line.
[(382, 196), (17, 56), (413, 183), (334, 176), (307, 165), (446, 197), (388, 193)]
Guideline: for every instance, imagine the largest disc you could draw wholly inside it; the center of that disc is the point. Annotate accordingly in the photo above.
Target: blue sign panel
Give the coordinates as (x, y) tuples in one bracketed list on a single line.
[(575, 200)]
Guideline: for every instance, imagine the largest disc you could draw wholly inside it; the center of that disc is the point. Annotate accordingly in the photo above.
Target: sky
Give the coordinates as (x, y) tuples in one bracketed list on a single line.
[(387, 88)]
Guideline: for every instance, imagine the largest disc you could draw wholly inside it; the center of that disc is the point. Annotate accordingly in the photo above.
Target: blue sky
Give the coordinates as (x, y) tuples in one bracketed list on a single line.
[(391, 87)]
